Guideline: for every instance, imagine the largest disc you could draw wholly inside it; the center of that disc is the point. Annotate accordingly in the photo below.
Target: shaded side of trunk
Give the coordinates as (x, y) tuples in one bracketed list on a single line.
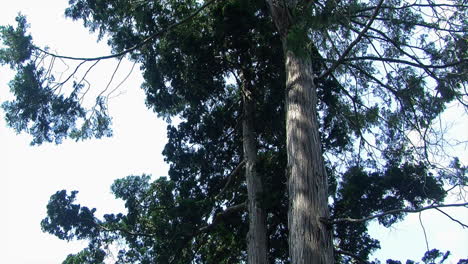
[(256, 237), (310, 241)]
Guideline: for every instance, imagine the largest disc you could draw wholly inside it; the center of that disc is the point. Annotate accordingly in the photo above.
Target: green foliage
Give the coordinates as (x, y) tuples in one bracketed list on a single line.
[(379, 93), (86, 256), (40, 109), (18, 43), (433, 256), (67, 220), (362, 194)]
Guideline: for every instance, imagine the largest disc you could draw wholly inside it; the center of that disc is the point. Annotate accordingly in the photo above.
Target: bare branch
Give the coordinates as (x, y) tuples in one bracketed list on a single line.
[(120, 84), (424, 232), (453, 219), (391, 212)]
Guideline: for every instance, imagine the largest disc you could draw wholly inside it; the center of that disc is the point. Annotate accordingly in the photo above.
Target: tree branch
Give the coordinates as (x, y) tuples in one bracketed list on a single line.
[(453, 219), (423, 66), (219, 216), (139, 45), (230, 177), (391, 212), (351, 46), (128, 232)]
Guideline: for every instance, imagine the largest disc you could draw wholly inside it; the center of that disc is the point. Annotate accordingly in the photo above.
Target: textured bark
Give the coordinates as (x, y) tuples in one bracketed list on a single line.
[(256, 237), (310, 241)]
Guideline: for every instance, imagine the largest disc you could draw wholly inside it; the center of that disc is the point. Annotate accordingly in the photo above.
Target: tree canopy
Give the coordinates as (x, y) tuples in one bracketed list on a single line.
[(383, 72)]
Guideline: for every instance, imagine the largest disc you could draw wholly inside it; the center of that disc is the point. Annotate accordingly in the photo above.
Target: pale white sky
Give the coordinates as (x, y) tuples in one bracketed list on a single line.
[(29, 175)]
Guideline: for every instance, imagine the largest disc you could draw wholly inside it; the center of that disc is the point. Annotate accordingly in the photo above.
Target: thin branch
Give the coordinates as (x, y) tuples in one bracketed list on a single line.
[(122, 82), (69, 76), (399, 47), (391, 212), (453, 219), (139, 45), (351, 46), (112, 78), (424, 232)]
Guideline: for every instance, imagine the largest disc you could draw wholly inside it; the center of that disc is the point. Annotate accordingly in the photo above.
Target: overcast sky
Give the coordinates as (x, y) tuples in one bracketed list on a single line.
[(30, 175)]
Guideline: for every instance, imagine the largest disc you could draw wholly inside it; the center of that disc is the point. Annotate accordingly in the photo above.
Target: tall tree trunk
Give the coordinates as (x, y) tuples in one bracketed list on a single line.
[(256, 237), (310, 241)]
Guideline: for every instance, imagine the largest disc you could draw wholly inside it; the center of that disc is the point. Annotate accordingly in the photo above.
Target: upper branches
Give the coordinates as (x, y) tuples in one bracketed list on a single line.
[(51, 108), (406, 60), (145, 41), (397, 211)]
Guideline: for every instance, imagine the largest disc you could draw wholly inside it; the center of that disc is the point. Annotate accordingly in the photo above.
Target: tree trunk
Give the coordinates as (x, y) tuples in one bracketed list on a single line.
[(310, 241), (256, 237)]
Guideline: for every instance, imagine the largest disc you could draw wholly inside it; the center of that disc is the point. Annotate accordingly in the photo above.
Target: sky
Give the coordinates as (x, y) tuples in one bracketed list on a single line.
[(29, 175)]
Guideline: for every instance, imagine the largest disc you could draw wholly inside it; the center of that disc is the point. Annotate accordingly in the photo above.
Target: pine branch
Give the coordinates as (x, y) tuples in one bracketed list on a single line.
[(391, 212), (139, 45)]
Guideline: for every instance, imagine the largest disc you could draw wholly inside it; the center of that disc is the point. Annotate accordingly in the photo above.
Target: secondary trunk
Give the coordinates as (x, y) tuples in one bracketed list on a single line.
[(310, 241), (256, 237)]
